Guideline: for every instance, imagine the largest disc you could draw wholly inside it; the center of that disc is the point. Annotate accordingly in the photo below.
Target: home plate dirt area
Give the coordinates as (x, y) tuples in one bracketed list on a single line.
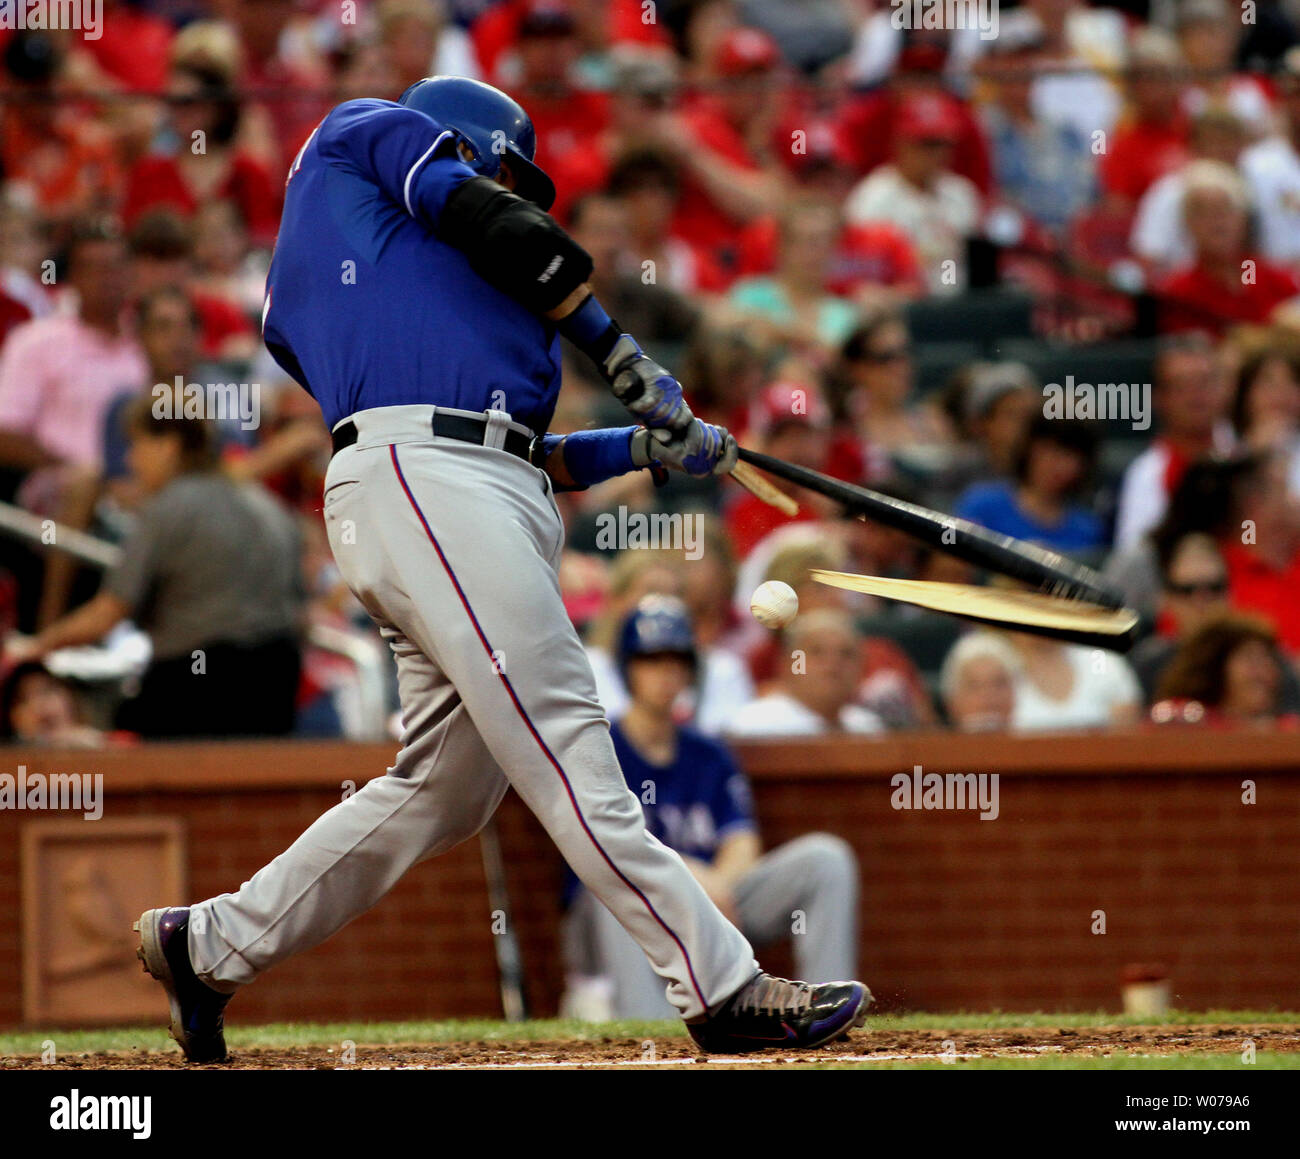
[(1213, 1045)]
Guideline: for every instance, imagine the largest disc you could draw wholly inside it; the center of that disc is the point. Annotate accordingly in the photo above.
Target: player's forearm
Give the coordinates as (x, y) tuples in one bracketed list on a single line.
[(515, 246), (585, 458), (648, 391)]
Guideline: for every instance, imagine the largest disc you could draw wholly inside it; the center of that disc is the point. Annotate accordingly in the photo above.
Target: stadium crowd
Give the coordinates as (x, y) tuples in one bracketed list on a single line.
[(871, 250)]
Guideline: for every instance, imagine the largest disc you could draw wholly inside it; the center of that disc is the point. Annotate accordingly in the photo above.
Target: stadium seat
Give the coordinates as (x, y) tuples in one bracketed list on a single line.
[(1123, 361), (925, 638), (979, 317), (934, 362)]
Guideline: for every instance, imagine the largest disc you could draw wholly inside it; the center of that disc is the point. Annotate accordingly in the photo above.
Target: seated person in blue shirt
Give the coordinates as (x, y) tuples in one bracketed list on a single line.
[(697, 802), (1041, 502)]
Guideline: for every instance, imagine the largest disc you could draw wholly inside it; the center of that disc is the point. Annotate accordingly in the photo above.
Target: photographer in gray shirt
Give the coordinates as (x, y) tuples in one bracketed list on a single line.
[(211, 573)]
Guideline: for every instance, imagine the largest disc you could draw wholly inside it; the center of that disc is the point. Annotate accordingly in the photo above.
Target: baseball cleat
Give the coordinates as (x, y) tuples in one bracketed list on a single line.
[(769, 1013), (197, 1011)]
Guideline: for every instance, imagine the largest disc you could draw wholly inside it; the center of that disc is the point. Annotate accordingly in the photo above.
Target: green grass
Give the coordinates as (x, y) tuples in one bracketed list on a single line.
[(1120, 1060), (288, 1034)]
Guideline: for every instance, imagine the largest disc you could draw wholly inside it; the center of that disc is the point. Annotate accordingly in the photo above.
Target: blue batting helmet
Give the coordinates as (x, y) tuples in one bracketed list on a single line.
[(491, 123), (657, 626)]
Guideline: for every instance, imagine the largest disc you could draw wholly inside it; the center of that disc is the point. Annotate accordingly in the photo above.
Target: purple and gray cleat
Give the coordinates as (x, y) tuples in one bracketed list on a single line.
[(197, 1011), (772, 1013)]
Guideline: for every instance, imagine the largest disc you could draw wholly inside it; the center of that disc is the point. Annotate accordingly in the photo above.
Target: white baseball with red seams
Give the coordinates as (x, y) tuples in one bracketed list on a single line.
[(453, 549), (774, 604)]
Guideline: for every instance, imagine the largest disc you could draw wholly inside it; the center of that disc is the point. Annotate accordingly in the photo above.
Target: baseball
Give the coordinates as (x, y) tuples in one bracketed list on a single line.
[(774, 604)]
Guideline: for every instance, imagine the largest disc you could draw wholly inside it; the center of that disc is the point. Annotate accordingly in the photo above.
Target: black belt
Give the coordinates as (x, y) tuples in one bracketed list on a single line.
[(461, 427)]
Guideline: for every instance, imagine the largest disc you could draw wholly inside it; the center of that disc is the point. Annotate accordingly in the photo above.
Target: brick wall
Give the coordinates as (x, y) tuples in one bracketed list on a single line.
[(956, 912)]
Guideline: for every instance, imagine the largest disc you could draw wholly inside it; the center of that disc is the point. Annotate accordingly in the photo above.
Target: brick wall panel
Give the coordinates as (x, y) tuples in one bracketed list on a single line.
[(955, 912)]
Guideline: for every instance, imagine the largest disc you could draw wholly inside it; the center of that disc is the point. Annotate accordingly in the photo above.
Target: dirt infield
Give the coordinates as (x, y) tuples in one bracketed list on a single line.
[(864, 1047)]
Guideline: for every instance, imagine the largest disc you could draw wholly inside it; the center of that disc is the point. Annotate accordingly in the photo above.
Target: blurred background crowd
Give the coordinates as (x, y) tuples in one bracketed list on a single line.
[(863, 248)]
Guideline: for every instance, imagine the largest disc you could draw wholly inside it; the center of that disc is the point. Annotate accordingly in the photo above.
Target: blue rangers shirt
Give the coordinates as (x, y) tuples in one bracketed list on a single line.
[(365, 307), (690, 805)]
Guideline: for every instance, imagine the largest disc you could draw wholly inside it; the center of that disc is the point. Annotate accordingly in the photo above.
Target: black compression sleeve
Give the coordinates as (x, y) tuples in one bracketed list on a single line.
[(513, 245)]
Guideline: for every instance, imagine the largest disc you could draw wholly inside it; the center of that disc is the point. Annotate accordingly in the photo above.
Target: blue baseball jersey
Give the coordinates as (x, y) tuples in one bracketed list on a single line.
[(366, 307), (690, 805)]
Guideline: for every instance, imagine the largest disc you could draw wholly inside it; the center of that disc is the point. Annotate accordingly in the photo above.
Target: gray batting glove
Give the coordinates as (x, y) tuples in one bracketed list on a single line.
[(703, 450), (648, 391)]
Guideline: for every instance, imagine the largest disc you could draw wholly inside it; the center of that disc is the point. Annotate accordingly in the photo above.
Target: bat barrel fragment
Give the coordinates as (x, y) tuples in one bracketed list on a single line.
[(1044, 570)]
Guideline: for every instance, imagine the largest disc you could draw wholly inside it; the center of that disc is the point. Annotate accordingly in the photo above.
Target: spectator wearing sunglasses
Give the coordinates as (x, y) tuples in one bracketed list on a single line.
[(201, 157), (872, 387), (1193, 588), (1193, 592)]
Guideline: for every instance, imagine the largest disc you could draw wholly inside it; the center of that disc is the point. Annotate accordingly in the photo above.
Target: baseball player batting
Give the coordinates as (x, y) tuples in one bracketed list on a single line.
[(418, 290)]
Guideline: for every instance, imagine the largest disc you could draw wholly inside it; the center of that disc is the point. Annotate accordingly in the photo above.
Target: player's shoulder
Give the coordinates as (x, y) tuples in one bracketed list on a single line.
[(361, 106), (362, 115)]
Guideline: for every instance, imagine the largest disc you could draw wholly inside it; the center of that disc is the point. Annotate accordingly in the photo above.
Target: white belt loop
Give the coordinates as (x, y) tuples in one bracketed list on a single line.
[(497, 424)]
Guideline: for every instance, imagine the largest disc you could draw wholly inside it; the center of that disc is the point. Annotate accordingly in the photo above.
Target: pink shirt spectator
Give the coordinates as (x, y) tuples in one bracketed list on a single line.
[(57, 377)]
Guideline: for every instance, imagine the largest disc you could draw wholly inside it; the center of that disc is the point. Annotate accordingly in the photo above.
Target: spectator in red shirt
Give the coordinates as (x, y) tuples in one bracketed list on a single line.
[(291, 93), (1228, 282), (132, 46), (47, 145), (565, 115), (648, 182), (568, 118), (722, 140), (1262, 549), (868, 123), (161, 246), (1152, 140), (790, 421), (872, 262), (597, 24), (205, 113)]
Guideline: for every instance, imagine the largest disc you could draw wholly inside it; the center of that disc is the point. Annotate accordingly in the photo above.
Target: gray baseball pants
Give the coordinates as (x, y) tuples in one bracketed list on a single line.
[(805, 890), (453, 548)]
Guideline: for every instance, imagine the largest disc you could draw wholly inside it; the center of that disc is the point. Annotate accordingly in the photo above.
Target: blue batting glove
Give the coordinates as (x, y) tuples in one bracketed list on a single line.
[(702, 450), (643, 386)]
